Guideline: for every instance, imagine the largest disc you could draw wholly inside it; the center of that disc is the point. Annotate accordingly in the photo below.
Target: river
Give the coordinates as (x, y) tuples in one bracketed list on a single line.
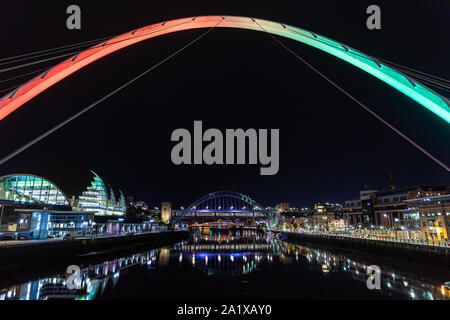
[(238, 265)]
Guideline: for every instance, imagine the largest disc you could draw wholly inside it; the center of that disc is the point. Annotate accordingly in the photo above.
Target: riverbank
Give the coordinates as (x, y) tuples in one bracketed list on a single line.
[(243, 264), (54, 255), (428, 255)]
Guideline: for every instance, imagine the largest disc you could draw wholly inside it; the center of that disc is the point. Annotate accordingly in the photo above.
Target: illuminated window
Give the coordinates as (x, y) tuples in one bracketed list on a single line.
[(31, 190)]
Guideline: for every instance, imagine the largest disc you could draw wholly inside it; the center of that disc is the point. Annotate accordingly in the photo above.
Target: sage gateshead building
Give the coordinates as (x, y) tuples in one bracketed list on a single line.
[(32, 207), (98, 200)]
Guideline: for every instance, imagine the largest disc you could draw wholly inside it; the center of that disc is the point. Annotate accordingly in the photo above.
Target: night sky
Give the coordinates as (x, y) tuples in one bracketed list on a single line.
[(330, 148)]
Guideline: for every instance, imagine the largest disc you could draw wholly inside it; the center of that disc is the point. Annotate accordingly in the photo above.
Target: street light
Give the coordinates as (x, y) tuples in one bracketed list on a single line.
[(1, 218), (1, 215)]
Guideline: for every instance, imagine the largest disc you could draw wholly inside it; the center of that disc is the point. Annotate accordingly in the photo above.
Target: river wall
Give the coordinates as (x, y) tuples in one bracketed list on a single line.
[(430, 255), (28, 253)]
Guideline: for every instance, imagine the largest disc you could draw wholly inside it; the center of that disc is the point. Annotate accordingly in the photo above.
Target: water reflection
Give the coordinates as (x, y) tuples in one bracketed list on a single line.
[(399, 283), (225, 254), (94, 280), (230, 255)]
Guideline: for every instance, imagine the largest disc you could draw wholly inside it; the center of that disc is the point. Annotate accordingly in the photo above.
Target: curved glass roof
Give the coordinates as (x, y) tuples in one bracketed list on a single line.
[(30, 189)]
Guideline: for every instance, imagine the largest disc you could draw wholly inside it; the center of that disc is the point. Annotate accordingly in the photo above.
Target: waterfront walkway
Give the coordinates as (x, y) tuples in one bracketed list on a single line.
[(20, 243), (371, 237)]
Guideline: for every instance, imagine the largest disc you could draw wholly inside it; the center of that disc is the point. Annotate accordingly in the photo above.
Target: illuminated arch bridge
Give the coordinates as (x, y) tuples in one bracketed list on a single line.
[(420, 93), (223, 204)]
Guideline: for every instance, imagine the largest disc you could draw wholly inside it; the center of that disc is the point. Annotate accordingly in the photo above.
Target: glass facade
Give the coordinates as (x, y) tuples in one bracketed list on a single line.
[(41, 224), (97, 199), (29, 189)]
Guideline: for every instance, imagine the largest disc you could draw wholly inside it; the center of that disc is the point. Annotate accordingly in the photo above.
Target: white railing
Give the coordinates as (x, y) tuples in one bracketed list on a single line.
[(372, 237)]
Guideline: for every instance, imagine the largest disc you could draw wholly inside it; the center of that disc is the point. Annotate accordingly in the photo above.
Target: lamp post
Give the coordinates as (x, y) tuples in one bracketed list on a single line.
[(1, 215), (1, 218)]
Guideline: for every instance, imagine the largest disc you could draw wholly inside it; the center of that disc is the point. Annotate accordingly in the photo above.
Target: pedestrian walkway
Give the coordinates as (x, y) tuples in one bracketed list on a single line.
[(373, 237)]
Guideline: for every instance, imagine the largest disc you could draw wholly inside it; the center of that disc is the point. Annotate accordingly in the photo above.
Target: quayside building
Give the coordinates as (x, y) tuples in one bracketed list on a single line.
[(33, 207), (97, 199)]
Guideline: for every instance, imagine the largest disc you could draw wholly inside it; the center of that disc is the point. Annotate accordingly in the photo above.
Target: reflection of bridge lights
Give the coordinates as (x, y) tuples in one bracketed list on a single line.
[(180, 258), (89, 285), (232, 258), (193, 259), (219, 258)]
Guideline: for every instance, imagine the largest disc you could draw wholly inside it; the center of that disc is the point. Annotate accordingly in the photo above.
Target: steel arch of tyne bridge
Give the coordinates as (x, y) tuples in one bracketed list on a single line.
[(225, 200)]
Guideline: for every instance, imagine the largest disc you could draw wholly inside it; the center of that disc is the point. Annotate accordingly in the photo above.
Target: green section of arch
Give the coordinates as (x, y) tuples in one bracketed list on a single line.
[(415, 90), (420, 93)]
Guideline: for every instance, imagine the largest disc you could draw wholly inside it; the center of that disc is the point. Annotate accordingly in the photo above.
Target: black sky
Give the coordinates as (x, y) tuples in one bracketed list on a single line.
[(330, 148)]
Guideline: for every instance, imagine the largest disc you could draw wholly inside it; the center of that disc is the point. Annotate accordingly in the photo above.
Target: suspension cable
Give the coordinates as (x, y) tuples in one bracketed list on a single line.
[(36, 62), (414, 70), (94, 47), (62, 124), (23, 75), (46, 54), (56, 48), (443, 165), (402, 69)]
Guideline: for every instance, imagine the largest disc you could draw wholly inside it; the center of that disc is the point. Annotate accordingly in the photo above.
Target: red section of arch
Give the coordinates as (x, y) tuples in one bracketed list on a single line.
[(35, 86)]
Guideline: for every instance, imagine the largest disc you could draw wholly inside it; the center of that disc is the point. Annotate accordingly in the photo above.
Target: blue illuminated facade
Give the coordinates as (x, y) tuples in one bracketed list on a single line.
[(41, 224)]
